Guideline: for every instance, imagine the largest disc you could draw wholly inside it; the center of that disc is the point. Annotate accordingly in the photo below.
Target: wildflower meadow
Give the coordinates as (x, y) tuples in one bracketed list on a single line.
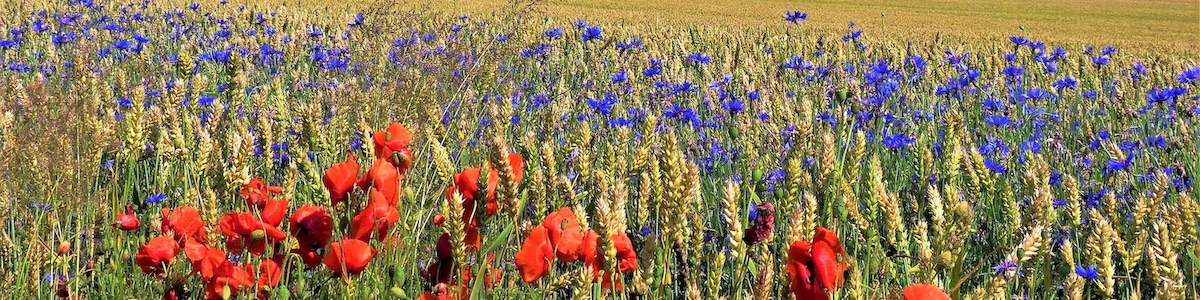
[(215, 150)]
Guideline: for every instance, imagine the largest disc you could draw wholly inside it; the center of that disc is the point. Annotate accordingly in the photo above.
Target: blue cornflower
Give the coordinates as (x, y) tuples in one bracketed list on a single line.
[(1089, 94), (619, 76), (897, 141), (553, 33), (994, 166), (997, 120), (634, 43), (591, 33), (205, 100), (699, 58), (1005, 267), (753, 209), (603, 105), (1089, 272), (124, 102), (734, 105), (795, 17), (155, 198), (1189, 76)]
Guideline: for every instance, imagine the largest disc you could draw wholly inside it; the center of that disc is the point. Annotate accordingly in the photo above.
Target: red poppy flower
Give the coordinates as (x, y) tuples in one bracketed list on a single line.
[(269, 274), (257, 191), (518, 165), (340, 178), (466, 183), (566, 235), (593, 259), (229, 277), (184, 222), (244, 230), (374, 220), (447, 292), (383, 177), (799, 269), (127, 221), (309, 255), (205, 260), (392, 145), (533, 261), (311, 225), (273, 211), (349, 256), (155, 254), (924, 292), (826, 249)]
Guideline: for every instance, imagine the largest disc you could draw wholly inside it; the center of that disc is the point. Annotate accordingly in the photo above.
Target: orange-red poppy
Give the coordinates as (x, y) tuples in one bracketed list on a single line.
[(312, 226), (127, 221), (154, 256), (536, 254), (375, 220), (799, 269), (924, 292), (184, 222), (392, 145), (205, 260), (349, 256), (383, 177), (269, 274), (273, 211), (566, 235), (256, 191), (829, 259), (231, 277), (594, 260), (245, 231), (340, 179)]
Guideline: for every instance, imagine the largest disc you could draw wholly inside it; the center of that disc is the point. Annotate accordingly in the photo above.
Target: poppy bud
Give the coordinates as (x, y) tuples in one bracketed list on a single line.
[(439, 219), (779, 193), (226, 292), (735, 132), (258, 234), (757, 175), (841, 95), (64, 247), (398, 292)]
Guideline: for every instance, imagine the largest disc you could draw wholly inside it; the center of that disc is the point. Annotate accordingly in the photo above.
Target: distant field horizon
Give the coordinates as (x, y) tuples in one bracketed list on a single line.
[(1155, 24)]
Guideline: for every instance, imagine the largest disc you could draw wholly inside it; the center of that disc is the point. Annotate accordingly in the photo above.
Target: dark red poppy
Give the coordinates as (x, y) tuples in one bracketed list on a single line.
[(184, 222), (829, 259), (257, 191), (228, 281), (924, 291), (375, 220), (273, 211), (340, 178), (447, 292), (246, 231), (127, 221), (566, 235), (392, 146), (312, 226), (349, 256), (534, 259), (383, 177), (762, 226), (799, 268), (154, 256)]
